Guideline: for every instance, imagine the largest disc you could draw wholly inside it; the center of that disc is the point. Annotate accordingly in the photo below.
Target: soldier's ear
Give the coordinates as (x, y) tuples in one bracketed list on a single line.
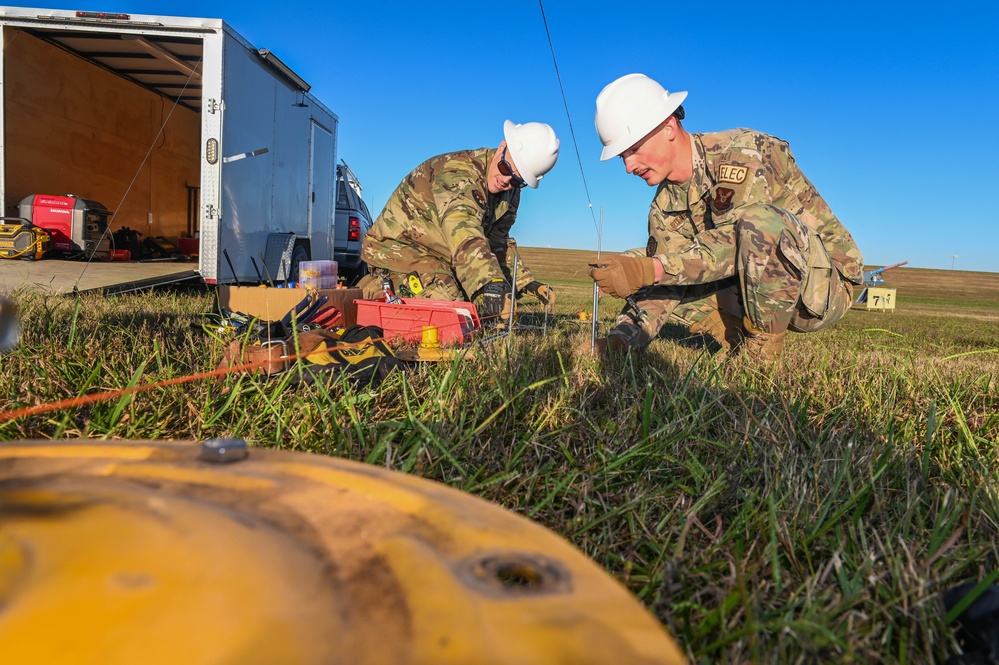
[(669, 125)]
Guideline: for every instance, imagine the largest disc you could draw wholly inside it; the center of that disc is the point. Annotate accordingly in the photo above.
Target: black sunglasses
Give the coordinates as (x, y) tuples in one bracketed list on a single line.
[(507, 170)]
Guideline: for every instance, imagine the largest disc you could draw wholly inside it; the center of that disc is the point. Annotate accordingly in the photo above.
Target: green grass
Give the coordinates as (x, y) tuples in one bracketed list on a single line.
[(811, 511)]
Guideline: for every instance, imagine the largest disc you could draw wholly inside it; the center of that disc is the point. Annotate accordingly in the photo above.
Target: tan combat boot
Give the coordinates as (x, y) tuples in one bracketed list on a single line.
[(762, 346), (726, 329), (765, 347)]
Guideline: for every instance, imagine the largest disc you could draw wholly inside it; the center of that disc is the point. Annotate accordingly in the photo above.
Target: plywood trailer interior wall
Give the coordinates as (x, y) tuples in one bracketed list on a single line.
[(75, 128)]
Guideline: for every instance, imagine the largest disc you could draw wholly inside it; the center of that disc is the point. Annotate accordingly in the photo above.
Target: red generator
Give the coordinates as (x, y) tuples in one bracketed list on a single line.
[(77, 227)]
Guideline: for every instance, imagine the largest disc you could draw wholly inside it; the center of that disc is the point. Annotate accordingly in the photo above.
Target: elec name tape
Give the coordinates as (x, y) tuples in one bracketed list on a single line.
[(732, 173)]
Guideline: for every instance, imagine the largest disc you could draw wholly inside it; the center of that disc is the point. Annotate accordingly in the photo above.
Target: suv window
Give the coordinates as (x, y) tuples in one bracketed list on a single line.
[(364, 208), (342, 201), (347, 198)]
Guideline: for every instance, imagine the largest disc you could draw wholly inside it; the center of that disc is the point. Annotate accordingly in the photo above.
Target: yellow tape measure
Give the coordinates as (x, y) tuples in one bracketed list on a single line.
[(415, 285)]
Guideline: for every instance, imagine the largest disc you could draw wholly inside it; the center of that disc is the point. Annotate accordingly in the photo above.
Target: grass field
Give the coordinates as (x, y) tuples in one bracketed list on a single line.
[(810, 511)]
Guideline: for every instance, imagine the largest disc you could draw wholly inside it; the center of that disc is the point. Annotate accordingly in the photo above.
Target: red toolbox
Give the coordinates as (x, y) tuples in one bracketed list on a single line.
[(454, 321)]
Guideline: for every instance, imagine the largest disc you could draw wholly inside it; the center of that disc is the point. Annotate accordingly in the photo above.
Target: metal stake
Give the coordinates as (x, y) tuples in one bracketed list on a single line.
[(596, 289), (513, 299)]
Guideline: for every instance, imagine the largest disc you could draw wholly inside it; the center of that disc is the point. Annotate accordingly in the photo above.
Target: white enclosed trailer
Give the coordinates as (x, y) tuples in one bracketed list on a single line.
[(179, 126)]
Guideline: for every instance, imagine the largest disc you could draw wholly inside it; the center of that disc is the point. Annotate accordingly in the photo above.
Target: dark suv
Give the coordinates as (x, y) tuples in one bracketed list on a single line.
[(352, 222)]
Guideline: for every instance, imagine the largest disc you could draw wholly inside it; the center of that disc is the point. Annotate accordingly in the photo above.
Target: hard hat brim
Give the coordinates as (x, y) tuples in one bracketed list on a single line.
[(615, 148), (508, 127)]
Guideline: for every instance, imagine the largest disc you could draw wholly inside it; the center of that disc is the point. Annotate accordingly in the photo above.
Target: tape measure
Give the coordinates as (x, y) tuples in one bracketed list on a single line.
[(415, 285)]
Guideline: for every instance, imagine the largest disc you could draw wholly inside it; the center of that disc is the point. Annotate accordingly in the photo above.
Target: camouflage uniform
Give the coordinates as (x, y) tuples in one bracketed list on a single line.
[(444, 224), (748, 235)]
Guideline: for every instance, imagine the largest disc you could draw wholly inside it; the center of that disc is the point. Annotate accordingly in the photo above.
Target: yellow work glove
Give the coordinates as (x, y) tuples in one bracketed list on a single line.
[(623, 275), (543, 292)]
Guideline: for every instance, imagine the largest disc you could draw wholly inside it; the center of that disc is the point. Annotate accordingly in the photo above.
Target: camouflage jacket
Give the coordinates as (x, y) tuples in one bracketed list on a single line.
[(442, 217), (691, 226)]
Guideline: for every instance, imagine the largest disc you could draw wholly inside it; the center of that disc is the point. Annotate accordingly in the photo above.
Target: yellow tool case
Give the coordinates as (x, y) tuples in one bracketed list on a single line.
[(20, 239)]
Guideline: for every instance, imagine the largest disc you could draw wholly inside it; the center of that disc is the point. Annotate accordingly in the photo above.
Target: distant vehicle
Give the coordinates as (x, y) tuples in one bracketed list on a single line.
[(352, 223)]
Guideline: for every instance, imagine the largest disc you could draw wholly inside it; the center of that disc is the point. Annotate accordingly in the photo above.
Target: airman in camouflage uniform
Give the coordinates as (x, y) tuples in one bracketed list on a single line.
[(448, 223), (741, 245)]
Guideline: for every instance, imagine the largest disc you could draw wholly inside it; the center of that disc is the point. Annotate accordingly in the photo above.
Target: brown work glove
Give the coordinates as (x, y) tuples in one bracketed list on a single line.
[(623, 275), (543, 292)]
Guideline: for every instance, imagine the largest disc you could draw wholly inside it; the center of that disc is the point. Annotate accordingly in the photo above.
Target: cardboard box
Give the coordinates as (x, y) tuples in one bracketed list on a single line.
[(269, 304)]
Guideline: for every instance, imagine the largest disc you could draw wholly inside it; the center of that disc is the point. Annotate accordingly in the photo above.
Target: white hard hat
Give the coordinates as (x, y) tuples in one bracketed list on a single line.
[(629, 108), (533, 148)]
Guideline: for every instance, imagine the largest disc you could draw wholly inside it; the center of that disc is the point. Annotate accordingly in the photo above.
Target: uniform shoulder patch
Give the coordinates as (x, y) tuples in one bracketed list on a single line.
[(732, 173), (479, 198), (651, 247), (722, 201)]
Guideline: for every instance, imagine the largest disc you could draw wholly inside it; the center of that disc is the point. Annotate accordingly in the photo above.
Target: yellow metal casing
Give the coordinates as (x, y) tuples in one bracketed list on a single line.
[(143, 553)]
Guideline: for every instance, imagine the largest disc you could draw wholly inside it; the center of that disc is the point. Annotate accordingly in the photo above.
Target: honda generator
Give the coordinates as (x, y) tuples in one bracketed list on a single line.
[(20, 239), (77, 227)]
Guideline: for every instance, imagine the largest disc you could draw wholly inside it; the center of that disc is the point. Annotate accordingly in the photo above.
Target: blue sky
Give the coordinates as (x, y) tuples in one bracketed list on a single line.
[(887, 105)]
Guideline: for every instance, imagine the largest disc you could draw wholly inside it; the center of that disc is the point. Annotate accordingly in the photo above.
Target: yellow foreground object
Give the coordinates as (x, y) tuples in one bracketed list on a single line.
[(146, 552)]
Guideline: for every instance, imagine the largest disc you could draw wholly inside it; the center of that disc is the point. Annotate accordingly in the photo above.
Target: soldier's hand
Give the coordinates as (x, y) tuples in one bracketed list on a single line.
[(623, 275), (493, 301), (543, 292)]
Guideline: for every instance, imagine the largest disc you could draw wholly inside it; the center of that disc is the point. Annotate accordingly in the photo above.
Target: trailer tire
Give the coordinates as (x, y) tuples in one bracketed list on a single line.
[(298, 254)]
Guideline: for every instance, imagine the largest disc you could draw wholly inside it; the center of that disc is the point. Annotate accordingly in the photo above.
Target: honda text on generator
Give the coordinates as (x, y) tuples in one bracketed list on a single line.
[(78, 227)]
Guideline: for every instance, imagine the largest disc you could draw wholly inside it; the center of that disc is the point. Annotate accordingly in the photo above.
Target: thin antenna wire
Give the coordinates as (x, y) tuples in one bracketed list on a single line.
[(572, 132), (135, 177), (596, 289)]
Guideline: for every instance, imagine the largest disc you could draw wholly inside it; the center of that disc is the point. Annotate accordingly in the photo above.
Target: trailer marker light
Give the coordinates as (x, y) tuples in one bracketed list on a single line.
[(212, 150)]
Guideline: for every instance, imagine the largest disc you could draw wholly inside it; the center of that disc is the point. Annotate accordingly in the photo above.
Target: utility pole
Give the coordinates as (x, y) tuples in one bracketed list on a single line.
[(953, 257)]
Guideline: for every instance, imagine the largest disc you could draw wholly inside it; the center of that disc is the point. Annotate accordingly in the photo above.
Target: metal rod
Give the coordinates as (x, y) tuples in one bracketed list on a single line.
[(225, 253), (596, 289), (266, 269), (260, 278), (513, 298)]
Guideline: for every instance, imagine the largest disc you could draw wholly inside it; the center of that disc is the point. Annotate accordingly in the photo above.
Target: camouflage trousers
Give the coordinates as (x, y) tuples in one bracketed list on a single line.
[(784, 280), (435, 285)]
